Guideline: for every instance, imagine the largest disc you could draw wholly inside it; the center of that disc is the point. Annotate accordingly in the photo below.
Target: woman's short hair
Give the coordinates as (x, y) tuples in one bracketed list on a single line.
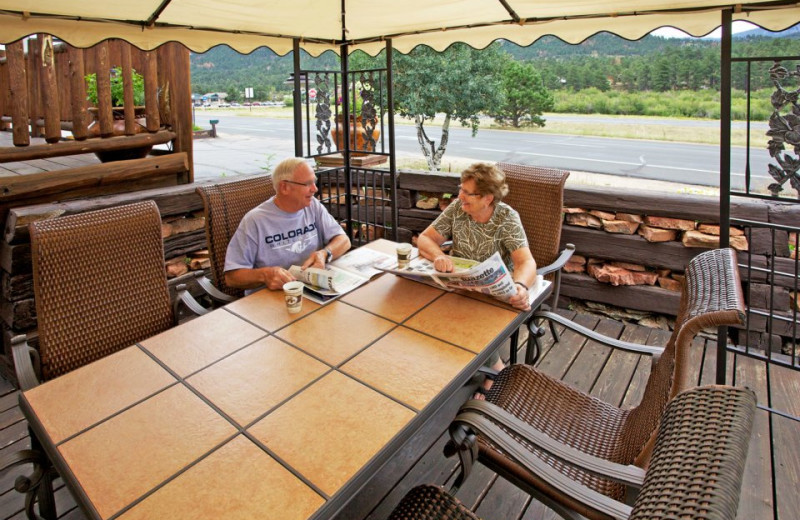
[(285, 169), (489, 180)]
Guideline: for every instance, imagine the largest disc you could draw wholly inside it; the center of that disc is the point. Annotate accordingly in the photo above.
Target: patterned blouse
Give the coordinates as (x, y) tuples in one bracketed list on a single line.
[(478, 241)]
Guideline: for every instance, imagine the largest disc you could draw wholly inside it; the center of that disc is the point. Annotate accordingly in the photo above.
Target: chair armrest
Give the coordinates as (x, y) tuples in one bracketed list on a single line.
[(205, 283), (559, 263), (510, 446), (611, 342), (184, 297), (628, 475), (23, 364)]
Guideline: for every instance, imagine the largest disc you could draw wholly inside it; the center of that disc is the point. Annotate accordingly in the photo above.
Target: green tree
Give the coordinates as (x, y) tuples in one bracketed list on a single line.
[(525, 96), (459, 83)]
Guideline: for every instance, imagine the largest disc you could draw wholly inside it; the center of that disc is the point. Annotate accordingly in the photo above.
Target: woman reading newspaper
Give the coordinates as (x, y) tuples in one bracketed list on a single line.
[(480, 224)]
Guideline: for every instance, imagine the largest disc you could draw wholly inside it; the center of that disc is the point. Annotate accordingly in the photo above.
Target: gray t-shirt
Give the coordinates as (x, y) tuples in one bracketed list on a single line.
[(269, 236), (476, 241)]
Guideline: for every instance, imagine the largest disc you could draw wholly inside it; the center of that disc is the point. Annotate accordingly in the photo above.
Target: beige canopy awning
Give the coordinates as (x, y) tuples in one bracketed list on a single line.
[(322, 25)]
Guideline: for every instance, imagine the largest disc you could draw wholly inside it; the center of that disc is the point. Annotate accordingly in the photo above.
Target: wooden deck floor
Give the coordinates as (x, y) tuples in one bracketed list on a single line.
[(615, 377)]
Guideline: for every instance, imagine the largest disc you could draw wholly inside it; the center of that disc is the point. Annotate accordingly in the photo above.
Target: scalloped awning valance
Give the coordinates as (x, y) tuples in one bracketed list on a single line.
[(364, 24)]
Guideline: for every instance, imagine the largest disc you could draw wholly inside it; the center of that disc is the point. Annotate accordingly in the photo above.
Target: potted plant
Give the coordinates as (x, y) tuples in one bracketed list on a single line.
[(364, 107), (118, 102)]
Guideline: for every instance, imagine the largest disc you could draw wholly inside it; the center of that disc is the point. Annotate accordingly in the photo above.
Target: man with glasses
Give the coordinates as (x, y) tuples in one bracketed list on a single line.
[(291, 228)]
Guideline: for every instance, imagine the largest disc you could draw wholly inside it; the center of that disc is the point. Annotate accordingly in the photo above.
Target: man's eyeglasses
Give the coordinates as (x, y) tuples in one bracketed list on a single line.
[(468, 194), (305, 184)]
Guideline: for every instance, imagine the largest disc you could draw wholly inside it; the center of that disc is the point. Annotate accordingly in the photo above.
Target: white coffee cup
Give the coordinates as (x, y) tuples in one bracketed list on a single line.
[(403, 255), (293, 294)]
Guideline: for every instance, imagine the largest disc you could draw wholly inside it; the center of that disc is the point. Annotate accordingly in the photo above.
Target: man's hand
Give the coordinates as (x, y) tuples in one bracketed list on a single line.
[(275, 277), (443, 264), (316, 259), (520, 300)]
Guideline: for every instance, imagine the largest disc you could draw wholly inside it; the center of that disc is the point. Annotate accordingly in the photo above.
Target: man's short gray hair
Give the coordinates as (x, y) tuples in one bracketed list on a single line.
[(285, 169)]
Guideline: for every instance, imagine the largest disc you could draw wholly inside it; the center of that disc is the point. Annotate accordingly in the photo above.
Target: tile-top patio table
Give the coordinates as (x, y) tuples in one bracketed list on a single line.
[(251, 412)]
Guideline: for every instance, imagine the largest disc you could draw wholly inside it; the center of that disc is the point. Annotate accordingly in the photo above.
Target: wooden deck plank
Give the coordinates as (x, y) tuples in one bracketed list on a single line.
[(557, 361), (756, 499), (590, 361), (785, 392), (638, 382), (613, 382)]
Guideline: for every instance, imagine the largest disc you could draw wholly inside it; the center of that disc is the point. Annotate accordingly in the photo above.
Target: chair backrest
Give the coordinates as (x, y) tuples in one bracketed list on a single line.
[(711, 297), (699, 457), (100, 284), (225, 206), (537, 194)]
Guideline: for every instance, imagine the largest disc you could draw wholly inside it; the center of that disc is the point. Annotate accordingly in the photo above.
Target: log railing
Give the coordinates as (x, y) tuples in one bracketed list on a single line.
[(43, 92)]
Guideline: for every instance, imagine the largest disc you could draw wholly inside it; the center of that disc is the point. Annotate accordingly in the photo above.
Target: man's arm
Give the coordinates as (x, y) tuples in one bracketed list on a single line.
[(272, 277), (338, 246)]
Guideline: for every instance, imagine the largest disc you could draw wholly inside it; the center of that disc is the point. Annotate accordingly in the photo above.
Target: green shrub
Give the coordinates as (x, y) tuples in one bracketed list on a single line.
[(117, 89)]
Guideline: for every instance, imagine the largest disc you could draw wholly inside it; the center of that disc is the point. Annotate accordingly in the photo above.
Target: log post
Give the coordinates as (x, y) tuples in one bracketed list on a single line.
[(18, 97), (80, 119), (178, 79), (150, 74), (127, 91), (34, 57), (104, 113), (49, 89)]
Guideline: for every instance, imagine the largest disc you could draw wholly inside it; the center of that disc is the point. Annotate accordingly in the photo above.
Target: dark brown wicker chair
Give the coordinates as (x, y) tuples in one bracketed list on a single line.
[(711, 297), (100, 285), (537, 194), (225, 205), (695, 472)]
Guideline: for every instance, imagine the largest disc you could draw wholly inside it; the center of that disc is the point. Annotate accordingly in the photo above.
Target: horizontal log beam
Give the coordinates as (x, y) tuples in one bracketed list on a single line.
[(59, 181), (172, 200), (640, 297), (61, 148)]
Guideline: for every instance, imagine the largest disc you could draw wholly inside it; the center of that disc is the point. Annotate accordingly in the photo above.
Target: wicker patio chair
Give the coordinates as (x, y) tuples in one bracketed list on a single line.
[(537, 194), (695, 472), (100, 286), (225, 205), (712, 296)]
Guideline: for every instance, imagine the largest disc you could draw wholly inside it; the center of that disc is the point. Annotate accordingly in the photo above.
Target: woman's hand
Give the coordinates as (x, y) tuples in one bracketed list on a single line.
[(443, 264), (520, 300)]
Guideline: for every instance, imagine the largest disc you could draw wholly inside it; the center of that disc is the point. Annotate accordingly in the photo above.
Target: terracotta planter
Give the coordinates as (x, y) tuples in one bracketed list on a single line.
[(358, 132), (119, 129)]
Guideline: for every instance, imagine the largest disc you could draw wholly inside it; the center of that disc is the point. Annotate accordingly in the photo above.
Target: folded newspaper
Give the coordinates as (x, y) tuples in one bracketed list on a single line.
[(341, 276), (491, 276)]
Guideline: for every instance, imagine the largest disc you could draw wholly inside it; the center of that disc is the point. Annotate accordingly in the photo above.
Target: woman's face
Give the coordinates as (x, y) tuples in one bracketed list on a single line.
[(472, 202)]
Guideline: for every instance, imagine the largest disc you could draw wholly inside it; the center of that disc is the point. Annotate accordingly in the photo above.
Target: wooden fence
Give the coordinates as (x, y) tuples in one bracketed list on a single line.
[(43, 95)]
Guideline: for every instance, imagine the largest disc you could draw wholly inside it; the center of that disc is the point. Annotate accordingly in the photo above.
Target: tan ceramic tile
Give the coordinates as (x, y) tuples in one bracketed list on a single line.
[(409, 366), (332, 429), (335, 332), (392, 297), (96, 391), (123, 458), (251, 381), (198, 343), (237, 482), (267, 309), (464, 321)]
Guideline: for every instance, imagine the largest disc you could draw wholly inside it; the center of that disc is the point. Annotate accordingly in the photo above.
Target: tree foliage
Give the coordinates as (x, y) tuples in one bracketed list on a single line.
[(525, 97), (460, 83)]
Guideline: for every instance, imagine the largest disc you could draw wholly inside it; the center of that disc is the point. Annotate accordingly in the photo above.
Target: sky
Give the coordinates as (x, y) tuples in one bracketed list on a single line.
[(736, 27)]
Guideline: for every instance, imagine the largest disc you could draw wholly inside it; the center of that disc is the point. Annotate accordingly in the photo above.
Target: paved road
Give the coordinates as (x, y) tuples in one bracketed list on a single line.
[(250, 144)]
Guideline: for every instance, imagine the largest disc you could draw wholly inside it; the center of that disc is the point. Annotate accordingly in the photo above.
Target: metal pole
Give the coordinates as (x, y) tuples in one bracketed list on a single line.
[(724, 170), (298, 112), (392, 155)]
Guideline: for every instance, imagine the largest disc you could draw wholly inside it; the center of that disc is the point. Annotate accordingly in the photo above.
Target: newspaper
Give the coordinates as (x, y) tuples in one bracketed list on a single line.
[(491, 276), (341, 276)]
